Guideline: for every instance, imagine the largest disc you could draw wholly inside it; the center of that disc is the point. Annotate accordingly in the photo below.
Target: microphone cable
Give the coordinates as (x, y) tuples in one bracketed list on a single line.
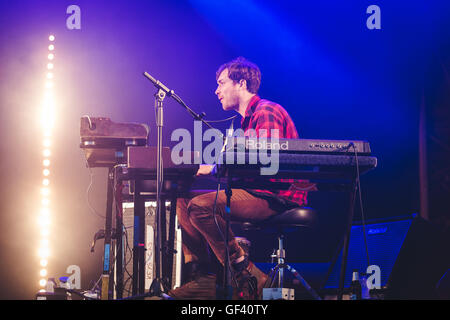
[(223, 120), (230, 133)]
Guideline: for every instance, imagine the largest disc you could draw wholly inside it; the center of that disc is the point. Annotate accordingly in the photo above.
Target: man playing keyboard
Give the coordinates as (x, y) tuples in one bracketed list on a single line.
[(238, 83)]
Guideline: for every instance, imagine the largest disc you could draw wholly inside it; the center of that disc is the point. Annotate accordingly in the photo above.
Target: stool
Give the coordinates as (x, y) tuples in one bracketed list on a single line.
[(280, 224)]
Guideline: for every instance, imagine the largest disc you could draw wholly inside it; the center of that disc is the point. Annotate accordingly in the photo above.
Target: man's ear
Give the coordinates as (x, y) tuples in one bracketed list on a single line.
[(243, 84)]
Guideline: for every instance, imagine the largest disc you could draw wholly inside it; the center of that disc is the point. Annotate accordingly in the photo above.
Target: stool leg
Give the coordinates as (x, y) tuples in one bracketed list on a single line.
[(281, 256), (272, 276), (303, 282)]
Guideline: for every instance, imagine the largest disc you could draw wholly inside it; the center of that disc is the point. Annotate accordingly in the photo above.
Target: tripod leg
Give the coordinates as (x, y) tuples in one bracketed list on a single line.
[(303, 282), (272, 276)]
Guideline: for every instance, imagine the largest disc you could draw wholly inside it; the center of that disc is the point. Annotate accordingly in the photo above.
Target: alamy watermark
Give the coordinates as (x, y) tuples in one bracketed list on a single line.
[(236, 147), (374, 20), (73, 22)]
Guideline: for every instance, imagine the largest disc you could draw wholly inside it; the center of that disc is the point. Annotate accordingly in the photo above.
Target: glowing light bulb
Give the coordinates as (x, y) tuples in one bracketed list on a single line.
[(47, 132), (51, 37), (44, 221), (44, 243), (44, 232), (44, 252)]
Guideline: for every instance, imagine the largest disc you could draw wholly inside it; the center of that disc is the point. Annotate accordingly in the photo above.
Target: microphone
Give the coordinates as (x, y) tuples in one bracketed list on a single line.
[(99, 235), (158, 84)]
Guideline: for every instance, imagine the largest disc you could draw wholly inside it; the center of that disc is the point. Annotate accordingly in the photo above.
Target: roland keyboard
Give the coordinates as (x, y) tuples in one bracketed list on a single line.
[(314, 146)]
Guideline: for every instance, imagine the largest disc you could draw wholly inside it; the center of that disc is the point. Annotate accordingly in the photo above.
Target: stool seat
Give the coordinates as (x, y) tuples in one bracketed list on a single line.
[(300, 217)]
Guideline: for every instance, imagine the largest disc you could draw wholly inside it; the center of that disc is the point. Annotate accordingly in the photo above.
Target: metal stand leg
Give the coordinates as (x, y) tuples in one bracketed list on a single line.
[(278, 270), (138, 242), (226, 291), (281, 256), (106, 292), (346, 242), (119, 244)]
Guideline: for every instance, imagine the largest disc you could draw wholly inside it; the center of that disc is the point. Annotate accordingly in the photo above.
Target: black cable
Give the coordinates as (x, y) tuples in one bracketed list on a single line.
[(223, 120), (127, 262), (91, 177), (227, 253), (198, 117), (363, 220), (214, 213)]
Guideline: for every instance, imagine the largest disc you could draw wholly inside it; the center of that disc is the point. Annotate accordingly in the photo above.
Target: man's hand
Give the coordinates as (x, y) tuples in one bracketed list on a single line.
[(205, 169)]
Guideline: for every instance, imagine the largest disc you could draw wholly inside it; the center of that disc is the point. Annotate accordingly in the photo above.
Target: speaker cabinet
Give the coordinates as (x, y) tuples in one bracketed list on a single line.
[(384, 242), (422, 262)]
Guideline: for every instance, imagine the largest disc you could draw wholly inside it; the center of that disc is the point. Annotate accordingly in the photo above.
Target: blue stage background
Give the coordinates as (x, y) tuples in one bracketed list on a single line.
[(337, 79)]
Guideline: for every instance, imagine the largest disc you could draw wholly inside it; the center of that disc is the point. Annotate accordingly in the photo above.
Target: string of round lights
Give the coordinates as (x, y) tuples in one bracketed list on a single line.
[(47, 117)]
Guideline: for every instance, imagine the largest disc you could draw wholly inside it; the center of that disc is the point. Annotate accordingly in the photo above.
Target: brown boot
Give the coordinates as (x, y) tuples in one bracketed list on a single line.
[(200, 283), (203, 287), (260, 276), (249, 283)]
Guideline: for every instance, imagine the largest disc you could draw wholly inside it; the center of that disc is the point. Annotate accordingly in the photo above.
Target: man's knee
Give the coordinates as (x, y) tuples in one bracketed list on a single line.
[(200, 207)]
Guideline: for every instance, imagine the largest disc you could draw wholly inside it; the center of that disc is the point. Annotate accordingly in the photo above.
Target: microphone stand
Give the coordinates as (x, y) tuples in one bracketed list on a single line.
[(157, 286), (225, 290)]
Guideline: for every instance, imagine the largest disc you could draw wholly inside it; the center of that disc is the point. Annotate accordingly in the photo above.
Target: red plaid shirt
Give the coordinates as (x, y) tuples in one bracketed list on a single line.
[(265, 114)]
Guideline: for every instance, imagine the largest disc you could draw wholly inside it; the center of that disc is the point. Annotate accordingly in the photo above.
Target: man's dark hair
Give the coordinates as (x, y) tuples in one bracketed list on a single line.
[(240, 68)]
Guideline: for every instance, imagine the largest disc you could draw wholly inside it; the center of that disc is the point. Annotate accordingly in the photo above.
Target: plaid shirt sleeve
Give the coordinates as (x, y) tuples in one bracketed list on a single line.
[(271, 120)]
